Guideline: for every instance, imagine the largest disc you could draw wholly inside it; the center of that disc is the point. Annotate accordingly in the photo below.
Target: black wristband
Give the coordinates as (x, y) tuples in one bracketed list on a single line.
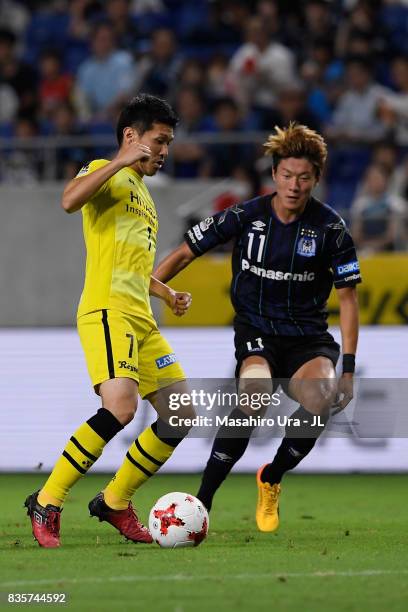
[(349, 363)]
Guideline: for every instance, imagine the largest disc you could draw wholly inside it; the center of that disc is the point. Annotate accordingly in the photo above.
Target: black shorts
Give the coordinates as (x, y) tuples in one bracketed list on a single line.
[(284, 354)]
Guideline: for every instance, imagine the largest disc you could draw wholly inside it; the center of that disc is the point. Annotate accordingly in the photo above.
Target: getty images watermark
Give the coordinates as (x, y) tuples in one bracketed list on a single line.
[(220, 400), (377, 410)]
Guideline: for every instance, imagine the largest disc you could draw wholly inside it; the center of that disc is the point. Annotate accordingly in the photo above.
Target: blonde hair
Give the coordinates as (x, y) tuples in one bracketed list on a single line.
[(297, 141)]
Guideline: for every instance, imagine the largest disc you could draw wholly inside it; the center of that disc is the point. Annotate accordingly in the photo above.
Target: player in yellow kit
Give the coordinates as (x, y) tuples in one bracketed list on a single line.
[(124, 350)]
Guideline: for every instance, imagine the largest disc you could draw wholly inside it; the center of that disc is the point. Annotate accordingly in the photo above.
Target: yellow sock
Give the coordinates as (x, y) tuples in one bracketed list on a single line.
[(146, 455), (81, 452)]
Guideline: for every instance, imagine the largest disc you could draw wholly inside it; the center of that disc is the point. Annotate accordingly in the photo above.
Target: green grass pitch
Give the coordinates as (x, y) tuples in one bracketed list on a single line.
[(342, 546)]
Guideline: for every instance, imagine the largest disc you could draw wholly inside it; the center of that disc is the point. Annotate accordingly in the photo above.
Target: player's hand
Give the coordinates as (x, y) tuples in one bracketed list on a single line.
[(133, 153), (344, 393), (179, 302)]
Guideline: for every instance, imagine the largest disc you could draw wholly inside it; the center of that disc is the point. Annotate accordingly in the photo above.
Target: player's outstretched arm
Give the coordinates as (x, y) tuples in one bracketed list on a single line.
[(349, 319), (81, 189), (176, 261), (349, 325), (178, 301)]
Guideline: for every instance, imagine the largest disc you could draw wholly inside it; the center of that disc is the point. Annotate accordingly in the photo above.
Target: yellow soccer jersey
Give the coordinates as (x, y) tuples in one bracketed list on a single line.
[(120, 229)]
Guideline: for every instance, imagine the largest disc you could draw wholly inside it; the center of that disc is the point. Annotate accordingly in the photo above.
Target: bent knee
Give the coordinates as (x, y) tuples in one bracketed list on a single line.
[(123, 408), (119, 396), (255, 379), (319, 398), (126, 416), (184, 420), (255, 367)]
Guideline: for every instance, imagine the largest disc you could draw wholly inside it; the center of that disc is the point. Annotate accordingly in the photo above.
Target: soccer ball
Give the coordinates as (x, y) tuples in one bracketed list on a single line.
[(177, 520)]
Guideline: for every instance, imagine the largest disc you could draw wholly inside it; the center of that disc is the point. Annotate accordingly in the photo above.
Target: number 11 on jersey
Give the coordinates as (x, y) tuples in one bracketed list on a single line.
[(260, 248)]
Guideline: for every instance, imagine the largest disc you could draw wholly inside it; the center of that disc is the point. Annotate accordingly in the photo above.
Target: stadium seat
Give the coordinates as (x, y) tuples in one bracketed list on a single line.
[(46, 30)]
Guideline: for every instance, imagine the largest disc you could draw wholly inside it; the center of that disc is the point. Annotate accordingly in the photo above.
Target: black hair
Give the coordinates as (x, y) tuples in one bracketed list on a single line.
[(142, 112), (297, 141)]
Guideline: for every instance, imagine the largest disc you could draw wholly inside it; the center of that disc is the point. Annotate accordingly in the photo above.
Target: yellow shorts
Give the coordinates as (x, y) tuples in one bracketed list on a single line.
[(117, 345)]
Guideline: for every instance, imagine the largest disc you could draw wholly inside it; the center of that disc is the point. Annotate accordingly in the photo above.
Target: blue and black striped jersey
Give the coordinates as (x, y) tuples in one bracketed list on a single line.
[(282, 273)]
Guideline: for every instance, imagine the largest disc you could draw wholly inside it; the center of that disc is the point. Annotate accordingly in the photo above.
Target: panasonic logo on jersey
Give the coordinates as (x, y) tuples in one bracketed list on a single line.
[(278, 274)]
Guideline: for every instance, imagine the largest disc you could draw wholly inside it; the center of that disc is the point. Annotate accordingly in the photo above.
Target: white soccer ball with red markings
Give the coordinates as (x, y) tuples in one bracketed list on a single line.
[(177, 520)]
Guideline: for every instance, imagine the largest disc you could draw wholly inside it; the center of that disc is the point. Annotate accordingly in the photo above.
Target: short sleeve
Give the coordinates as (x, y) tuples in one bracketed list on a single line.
[(215, 230), (343, 257), (90, 167)]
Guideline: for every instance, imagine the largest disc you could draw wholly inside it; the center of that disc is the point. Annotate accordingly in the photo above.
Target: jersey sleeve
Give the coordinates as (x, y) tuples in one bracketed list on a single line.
[(343, 257), (90, 167), (216, 230)]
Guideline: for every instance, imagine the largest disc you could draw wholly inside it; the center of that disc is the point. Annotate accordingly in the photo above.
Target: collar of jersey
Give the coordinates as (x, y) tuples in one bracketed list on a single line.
[(134, 173), (273, 214)]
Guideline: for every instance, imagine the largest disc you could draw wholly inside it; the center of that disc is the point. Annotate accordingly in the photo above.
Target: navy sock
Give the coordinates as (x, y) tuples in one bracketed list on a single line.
[(293, 448), (228, 447)]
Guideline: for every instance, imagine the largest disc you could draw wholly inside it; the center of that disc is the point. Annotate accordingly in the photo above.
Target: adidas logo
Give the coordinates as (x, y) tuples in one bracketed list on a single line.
[(258, 225)]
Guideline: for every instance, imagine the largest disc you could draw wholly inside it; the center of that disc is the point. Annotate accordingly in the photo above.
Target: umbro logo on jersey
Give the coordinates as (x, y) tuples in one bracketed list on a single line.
[(258, 225), (352, 278)]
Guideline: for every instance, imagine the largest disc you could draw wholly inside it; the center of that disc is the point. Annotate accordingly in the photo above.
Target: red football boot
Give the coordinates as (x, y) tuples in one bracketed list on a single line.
[(125, 521), (45, 522)]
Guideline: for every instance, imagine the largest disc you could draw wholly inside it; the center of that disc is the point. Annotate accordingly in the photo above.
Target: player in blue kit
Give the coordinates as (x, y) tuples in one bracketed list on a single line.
[(289, 250)]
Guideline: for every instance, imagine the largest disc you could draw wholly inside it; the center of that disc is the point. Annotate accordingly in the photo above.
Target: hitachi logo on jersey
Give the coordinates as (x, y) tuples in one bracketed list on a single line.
[(278, 274)]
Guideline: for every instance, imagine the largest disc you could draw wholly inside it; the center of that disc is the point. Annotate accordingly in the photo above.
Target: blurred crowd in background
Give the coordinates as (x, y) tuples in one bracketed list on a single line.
[(231, 68)]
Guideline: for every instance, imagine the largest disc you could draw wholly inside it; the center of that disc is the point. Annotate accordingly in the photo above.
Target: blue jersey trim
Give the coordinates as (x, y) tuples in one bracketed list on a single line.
[(263, 263), (290, 282)]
